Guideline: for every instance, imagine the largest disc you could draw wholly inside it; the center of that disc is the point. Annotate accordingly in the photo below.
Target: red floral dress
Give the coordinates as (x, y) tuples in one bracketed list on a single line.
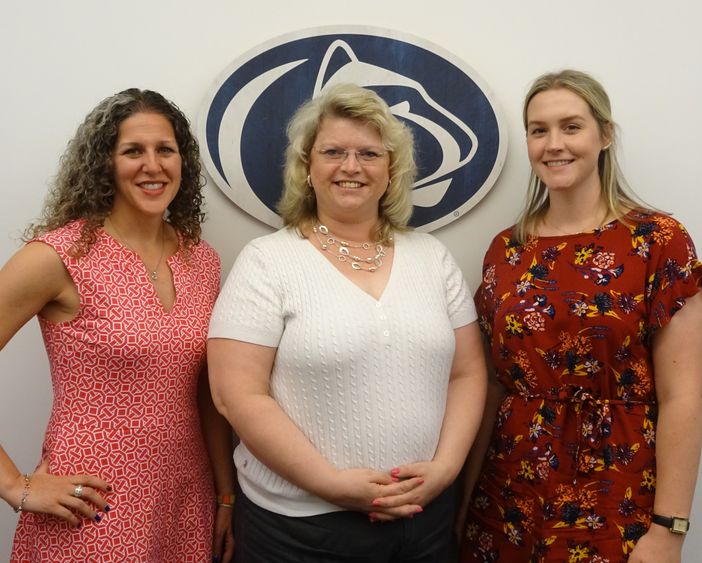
[(124, 374), (570, 471)]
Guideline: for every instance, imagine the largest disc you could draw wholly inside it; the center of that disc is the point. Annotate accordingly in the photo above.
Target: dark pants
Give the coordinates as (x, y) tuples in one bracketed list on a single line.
[(262, 536)]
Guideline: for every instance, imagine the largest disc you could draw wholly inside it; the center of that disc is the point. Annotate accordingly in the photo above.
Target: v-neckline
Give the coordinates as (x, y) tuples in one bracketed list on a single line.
[(152, 287), (338, 272)]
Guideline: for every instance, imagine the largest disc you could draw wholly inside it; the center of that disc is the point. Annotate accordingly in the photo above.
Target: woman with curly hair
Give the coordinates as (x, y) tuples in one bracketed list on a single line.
[(123, 288)]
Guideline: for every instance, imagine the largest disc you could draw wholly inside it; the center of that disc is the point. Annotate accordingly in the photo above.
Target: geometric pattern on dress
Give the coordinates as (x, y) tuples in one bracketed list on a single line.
[(124, 375)]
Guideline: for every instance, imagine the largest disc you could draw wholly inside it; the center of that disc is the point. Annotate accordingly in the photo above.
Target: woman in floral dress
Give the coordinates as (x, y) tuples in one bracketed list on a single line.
[(593, 316)]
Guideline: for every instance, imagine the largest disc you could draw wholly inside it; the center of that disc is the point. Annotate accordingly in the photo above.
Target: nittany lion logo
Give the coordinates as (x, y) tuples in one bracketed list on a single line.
[(460, 136)]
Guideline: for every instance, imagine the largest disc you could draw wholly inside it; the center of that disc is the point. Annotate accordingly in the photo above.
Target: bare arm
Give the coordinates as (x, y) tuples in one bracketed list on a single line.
[(677, 355), (218, 439), (34, 281), (464, 410), (239, 378)]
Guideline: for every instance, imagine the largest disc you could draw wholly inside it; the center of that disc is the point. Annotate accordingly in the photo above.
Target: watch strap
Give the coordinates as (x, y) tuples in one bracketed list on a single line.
[(675, 524)]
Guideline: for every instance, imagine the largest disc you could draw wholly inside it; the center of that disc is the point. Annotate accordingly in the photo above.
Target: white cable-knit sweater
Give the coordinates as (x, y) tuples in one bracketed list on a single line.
[(364, 380)]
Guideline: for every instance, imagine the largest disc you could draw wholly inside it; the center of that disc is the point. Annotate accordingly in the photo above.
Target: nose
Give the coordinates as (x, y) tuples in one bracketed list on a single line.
[(151, 163), (351, 162), (554, 142)]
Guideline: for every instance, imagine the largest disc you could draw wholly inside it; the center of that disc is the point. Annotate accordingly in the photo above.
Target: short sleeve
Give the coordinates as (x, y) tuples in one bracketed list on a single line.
[(460, 306), (674, 272), (249, 307)]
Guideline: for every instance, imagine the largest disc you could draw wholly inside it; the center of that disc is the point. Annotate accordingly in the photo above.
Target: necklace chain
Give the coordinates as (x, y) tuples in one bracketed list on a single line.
[(153, 274), (329, 242), (599, 225)]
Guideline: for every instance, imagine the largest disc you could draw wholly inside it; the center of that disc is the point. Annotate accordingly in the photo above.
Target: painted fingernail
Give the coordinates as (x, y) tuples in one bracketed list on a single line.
[(376, 502), (109, 489), (395, 479), (98, 517), (420, 509), (371, 518), (394, 471), (107, 508), (421, 481), (79, 526)]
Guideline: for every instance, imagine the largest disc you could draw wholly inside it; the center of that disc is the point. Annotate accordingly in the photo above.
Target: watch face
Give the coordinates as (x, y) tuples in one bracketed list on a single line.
[(680, 526)]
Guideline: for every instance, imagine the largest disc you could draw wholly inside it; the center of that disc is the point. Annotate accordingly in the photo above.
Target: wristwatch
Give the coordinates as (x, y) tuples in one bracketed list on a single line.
[(675, 524)]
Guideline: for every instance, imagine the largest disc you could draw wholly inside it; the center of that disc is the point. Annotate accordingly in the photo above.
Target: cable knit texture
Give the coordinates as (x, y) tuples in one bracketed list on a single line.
[(365, 380)]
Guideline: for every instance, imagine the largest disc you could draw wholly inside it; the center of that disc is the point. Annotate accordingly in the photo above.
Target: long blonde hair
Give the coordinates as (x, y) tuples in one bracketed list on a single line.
[(298, 205), (616, 194)]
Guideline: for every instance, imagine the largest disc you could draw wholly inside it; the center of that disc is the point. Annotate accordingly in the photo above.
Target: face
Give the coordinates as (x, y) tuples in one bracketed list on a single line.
[(147, 165), (564, 141), (348, 189)]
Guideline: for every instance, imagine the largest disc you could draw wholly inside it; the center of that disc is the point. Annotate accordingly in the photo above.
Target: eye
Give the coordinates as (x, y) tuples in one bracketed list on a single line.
[(369, 155), (167, 150), (332, 152), (131, 151), (572, 128), (537, 131)]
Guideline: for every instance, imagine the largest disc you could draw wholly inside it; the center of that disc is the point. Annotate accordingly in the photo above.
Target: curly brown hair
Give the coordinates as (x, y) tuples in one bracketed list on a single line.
[(84, 187)]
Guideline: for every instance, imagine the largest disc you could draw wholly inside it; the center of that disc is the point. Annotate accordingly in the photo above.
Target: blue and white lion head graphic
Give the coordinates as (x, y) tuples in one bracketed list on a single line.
[(459, 133)]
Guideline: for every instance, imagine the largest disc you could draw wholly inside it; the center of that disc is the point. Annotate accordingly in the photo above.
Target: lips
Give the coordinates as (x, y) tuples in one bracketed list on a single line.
[(349, 184), (152, 186), (552, 163)]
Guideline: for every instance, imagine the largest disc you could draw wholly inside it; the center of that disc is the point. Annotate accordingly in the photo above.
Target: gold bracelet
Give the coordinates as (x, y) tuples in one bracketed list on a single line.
[(25, 493), (227, 501)]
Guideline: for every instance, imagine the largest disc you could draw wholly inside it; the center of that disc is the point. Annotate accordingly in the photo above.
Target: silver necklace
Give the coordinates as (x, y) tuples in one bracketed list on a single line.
[(341, 249), (153, 274)]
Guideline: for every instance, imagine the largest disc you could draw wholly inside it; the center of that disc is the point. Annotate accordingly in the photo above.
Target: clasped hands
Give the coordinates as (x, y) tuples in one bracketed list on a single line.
[(400, 493)]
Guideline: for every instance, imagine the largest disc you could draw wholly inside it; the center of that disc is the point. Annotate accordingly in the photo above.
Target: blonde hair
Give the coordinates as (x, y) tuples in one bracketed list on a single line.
[(615, 192), (298, 205)]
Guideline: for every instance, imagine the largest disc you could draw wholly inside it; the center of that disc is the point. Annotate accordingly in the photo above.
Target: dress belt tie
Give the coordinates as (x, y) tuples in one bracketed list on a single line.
[(593, 417)]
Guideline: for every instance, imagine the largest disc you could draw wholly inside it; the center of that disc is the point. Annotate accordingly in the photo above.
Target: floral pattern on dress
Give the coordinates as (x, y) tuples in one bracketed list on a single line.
[(569, 474)]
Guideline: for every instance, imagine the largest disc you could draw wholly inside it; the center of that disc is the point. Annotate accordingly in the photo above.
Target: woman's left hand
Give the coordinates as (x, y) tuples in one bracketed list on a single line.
[(436, 476), (223, 542), (658, 545)]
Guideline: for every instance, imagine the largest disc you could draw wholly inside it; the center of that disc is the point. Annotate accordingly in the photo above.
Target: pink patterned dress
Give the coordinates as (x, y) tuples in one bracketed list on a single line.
[(124, 374)]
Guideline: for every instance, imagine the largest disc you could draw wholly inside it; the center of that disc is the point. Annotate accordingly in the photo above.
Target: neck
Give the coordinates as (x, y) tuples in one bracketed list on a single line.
[(359, 231), (574, 212), (138, 229)]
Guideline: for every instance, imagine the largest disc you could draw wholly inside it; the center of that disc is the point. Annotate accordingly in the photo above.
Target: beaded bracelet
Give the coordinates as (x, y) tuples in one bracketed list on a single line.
[(226, 501), (25, 493)]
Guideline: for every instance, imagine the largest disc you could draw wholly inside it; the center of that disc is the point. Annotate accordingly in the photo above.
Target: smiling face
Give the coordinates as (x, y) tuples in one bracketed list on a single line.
[(348, 190), (564, 141), (147, 165)]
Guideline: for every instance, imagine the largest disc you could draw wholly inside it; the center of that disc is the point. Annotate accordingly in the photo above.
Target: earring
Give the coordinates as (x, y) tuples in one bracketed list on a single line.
[(606, 146), (309, 181)]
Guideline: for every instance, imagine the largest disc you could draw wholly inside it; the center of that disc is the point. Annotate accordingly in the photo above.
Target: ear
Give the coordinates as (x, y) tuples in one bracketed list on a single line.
[(607, 135)]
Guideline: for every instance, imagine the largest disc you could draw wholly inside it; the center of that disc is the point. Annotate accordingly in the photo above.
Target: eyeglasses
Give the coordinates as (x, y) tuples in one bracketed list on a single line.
[(365, 156)]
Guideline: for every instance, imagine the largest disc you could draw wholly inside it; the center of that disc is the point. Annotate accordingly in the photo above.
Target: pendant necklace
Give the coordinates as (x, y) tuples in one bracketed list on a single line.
[(153, 274), (342, 250)]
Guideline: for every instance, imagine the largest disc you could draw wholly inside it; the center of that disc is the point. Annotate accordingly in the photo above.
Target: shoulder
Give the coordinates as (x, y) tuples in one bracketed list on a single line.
[(276, 244), (67, 234)]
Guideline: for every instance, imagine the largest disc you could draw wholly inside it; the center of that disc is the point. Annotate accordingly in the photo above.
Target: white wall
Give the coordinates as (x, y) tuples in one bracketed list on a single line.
[(58, 59)]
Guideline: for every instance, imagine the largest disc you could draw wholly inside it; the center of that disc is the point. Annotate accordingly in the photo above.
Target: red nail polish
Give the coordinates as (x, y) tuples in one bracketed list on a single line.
[(376, 502), (420, 509), (394, 471), (395, 479), (421, 481)]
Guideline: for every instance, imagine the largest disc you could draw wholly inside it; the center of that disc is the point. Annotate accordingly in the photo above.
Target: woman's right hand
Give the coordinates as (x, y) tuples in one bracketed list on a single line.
[(356, 489), (54, 494)]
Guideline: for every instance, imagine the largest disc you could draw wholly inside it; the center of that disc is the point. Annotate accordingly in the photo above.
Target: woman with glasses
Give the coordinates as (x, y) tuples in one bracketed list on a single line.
[(592, 309), (344, 351), (123, 287)]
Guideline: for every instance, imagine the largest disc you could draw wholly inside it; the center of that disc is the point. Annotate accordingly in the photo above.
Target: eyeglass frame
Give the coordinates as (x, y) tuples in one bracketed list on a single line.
[(344, 154)]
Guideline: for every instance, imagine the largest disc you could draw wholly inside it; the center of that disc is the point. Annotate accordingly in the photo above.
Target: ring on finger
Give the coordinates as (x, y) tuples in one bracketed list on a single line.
[(78, 491)]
